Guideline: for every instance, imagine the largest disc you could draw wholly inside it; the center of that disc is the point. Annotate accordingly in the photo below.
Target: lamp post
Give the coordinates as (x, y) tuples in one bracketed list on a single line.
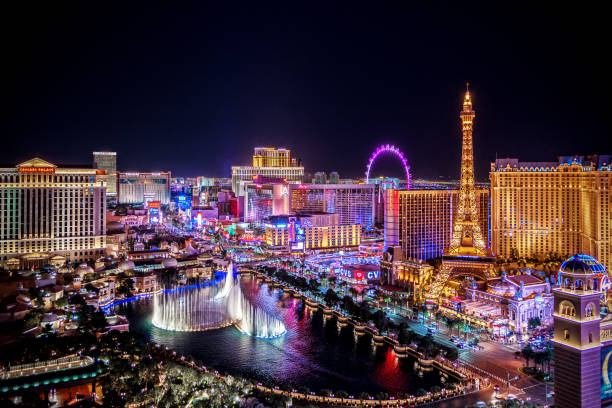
[(508, 383)]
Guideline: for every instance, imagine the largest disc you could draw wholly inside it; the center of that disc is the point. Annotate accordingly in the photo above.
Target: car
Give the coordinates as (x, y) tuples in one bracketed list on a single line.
[(513, 397)]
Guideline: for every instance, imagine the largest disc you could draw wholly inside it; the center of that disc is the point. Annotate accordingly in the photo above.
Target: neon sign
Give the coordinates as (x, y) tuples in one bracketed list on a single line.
[(359, 275), (37, 169)]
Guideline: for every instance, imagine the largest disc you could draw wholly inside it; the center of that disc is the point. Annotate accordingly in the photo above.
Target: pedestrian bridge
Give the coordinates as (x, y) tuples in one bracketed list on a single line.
[(51, 373)]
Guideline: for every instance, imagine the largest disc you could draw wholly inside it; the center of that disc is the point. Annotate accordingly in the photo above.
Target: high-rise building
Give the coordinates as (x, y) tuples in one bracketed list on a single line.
[(320, 178), (107, 161), (578, 336), (46, 211), (265, 200), (140, 188), (542, 208), (271, 157), (421, 221), (382, 184), (268, 162), (354, 203), (334, 178)]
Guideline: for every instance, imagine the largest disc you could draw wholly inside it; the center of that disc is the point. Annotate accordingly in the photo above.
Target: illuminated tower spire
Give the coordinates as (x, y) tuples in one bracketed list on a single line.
[(467, 236)]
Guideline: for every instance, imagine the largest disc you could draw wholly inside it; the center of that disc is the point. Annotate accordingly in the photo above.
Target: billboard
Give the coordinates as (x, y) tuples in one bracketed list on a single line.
[(606, 375), (360, 275), (154, 212)]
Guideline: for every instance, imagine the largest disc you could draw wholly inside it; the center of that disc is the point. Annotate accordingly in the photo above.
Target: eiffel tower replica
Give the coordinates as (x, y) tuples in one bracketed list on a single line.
[(467, 255)]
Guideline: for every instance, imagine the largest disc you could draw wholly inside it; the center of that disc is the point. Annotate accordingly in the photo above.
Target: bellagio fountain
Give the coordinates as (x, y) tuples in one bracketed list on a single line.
[(213, 307)]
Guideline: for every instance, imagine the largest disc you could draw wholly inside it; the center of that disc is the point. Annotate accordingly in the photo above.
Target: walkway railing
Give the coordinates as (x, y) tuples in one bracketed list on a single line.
[(411, 401), (41, 367)]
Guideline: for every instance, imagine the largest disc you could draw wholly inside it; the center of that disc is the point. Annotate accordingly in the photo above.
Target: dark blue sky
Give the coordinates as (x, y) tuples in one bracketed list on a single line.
[(193, 90)]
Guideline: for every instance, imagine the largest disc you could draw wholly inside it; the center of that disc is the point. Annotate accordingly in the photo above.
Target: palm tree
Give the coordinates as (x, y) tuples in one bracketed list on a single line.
[(527, 353), (353, 293)]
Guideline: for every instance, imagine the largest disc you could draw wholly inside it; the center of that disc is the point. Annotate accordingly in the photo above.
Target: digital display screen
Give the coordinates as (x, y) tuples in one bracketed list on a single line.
[(606, 375)]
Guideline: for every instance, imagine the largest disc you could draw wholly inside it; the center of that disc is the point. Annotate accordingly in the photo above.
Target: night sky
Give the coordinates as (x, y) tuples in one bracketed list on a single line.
[(193, 90)]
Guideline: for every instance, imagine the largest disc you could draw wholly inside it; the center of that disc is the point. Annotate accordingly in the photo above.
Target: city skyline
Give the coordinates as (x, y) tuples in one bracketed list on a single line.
[(299, 205), (302, 80)]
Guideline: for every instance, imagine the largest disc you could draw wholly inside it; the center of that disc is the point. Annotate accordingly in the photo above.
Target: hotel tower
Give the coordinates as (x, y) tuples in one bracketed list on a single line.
[(47, 211), (542, 208)]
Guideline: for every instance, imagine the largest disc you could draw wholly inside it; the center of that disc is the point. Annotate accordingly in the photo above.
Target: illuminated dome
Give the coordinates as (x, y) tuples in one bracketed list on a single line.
[(582, 265), (170, 263), (501, 289)]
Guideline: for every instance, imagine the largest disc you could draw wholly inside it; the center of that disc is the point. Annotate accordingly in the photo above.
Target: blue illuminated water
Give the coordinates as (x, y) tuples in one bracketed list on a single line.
[(313, 353)]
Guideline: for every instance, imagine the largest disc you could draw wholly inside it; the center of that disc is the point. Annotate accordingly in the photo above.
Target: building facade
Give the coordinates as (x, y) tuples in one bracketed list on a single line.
[(271, 157), (265, 200), (334, 178), (511, 301), (411, 274), (311, 232), (107, 161), (544, 208), (268, 162), (320, 178), (47, 210), (420, 221), (140, 188), (354, 203)]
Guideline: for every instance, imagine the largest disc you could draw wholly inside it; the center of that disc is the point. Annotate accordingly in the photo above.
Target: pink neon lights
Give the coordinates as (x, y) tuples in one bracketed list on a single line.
[(389, 149)]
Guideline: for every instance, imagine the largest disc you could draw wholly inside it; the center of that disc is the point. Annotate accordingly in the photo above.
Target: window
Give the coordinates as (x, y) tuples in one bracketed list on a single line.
[(567, 309), (566, 334), (589, 311)]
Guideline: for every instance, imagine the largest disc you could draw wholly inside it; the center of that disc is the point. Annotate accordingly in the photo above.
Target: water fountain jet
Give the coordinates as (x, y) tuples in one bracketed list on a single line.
[(207, 308)]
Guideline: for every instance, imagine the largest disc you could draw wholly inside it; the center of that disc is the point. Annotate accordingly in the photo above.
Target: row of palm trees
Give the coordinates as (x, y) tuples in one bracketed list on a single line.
[(540, 358)]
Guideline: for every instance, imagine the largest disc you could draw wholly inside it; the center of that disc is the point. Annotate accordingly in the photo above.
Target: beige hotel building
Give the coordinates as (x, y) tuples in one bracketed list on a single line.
[(48, 213), (270, 163), (562, 207)]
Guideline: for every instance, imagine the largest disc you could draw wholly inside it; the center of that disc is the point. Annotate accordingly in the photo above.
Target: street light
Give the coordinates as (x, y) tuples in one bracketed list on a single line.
[(508, 383)]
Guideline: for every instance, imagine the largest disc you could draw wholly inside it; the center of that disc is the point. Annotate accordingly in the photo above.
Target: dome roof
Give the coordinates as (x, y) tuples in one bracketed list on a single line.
[(582, 265), (126, 265), (170, 263), (190, 250), (502, 289), (205, 257), (84, 268)]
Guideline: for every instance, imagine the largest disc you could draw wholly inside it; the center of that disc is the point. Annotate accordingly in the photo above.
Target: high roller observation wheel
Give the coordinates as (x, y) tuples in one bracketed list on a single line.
[(388, 149)]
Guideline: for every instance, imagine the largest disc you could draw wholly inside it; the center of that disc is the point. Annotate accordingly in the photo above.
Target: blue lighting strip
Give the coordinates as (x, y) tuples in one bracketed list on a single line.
[(218, 277)]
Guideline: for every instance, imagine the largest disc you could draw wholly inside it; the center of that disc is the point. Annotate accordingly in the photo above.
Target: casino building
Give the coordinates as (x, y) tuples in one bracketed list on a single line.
[(420, 221), (140, 188), (268, 162), (46, 211), (354, 203), (562, 207), (266, 199), (316, 231), (107, 161)]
